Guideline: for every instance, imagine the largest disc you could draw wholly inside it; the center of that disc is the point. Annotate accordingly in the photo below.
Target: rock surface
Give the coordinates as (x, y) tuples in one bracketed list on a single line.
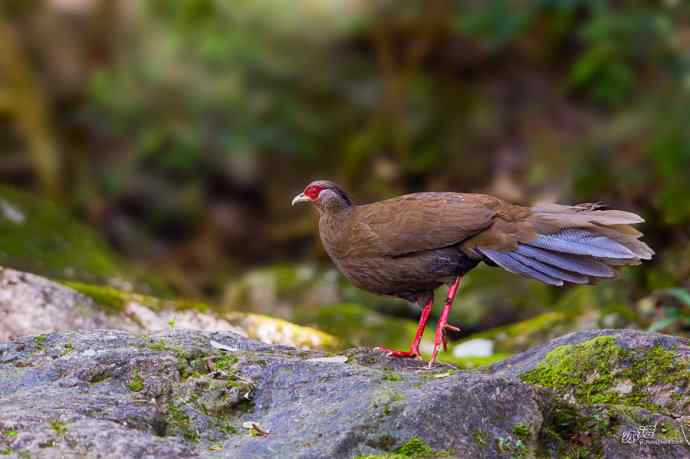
[(183, 393), (32, 305)]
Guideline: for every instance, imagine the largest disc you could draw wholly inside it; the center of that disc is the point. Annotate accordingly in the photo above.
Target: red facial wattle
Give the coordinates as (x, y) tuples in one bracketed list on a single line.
[(312, 192)]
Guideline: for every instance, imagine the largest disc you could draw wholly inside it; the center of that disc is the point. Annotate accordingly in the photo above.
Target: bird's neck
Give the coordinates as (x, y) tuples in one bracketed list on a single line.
[(335, 208), (335, 218), (334, 229)]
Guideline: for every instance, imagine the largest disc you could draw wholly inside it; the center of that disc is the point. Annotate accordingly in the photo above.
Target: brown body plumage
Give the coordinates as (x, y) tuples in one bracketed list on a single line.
[(410, 245)]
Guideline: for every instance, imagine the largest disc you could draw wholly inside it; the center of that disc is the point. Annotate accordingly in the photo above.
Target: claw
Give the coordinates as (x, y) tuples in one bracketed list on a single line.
[(414, 346), (402, 354)]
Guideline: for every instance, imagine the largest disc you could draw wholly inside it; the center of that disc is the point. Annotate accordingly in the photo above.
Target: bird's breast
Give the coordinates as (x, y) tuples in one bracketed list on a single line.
[(336, 237)]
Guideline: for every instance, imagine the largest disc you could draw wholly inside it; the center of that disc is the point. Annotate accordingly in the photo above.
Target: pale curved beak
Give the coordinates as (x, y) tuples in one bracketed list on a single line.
[(300, 198)]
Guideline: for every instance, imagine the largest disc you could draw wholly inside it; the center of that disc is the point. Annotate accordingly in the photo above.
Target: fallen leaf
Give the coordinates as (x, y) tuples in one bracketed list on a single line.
[(336, 359)]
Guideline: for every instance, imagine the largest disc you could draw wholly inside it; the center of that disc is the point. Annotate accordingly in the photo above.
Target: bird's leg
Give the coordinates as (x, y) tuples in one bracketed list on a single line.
[(439, 337), (414, 346)]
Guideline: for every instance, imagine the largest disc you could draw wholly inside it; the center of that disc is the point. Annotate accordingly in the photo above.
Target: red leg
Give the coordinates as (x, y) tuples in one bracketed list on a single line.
[(414, 346), (440, 336)]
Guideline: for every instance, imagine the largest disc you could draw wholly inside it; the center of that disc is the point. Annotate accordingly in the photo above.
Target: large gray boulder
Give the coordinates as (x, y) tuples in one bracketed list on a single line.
[(188, 393), (33, 305), (182, 393)]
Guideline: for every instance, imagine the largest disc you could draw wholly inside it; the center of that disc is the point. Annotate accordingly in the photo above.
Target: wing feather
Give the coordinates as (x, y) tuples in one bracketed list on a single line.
[(424, 221)]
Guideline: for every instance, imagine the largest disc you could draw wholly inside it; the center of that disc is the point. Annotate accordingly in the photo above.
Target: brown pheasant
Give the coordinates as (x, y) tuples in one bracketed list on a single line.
[(409, 246)]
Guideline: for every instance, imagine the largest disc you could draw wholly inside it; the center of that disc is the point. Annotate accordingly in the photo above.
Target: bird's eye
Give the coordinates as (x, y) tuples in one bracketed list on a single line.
[(312, 192)]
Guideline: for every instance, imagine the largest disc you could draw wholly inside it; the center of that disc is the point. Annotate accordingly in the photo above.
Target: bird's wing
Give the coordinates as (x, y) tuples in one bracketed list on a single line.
[(423, 221)]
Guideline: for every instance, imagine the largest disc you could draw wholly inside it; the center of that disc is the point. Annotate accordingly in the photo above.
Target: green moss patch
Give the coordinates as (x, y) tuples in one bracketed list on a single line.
[(522, 431), (136, 383), (113, 300), (413, 448), (416, 448), (391, 376), (225, 363), (480, 438), (178, 420), (59, 427), (110, 299), (601, 371)]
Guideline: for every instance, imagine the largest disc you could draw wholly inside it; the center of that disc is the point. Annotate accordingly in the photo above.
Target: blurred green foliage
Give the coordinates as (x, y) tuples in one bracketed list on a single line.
[(183, 126)]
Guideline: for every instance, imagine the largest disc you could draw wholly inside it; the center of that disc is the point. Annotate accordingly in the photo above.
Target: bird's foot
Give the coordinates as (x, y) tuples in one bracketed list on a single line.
[(412, 353)]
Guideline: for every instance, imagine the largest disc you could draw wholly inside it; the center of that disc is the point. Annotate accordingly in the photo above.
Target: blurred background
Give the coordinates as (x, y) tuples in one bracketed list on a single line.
[(155, 145)]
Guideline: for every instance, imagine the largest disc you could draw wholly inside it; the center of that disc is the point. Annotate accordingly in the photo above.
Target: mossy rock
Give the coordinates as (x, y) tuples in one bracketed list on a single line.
[(34, 305), (38, 236), (216, 391), (182, 313), (602, 371), (624, 368), (599, 387), (114, 300)]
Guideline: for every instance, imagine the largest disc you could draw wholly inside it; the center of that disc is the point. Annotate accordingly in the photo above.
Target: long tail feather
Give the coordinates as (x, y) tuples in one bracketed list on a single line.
[(550, 270), (574, 263), (581, 242), (573, 244), (507, 262)]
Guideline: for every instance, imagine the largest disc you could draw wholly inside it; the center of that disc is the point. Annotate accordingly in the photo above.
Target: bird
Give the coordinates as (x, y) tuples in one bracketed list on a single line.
[(409, 246)]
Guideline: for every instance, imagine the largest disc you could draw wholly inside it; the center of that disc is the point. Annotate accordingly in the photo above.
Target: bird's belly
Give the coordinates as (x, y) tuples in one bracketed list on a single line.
[(419, 272)]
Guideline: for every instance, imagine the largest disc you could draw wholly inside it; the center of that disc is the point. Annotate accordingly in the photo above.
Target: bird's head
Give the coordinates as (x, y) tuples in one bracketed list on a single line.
[(325, 195)]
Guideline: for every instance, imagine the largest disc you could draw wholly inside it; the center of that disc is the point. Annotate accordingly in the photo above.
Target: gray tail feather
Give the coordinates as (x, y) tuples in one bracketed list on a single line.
[(510, 262), (570, 256), (582, 242), (586, 266)]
